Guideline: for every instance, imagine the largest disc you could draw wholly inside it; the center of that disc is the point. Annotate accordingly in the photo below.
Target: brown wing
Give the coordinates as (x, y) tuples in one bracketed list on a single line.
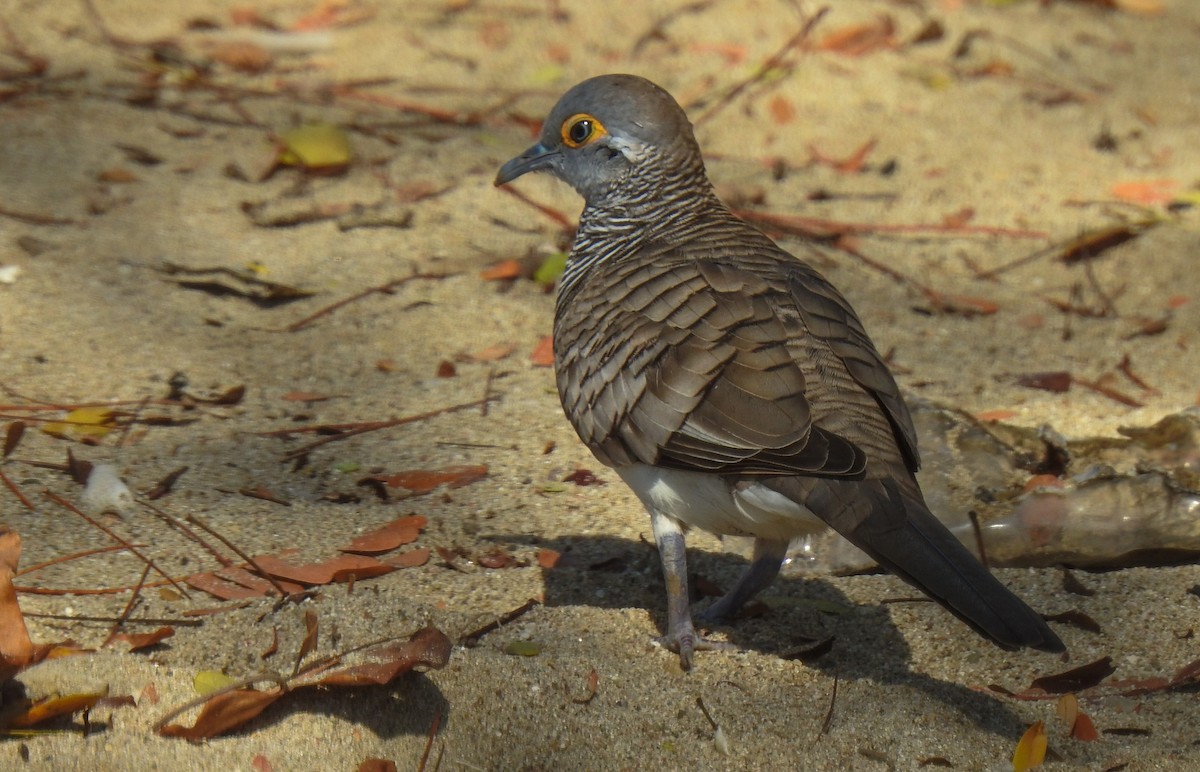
[(698, 364)]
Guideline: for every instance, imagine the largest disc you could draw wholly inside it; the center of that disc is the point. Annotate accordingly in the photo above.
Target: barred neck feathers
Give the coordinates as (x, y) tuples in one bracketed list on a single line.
[(665, 199)]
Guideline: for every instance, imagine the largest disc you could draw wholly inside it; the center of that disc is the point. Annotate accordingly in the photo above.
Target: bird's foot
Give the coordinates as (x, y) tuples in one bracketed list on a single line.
[(685, 641)]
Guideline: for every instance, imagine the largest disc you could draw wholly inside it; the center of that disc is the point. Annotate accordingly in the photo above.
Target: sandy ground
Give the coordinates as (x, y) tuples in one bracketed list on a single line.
[(1025, 114)]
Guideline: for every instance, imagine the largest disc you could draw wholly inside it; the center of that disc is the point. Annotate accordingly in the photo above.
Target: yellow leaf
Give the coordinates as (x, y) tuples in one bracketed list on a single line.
[(1068, 709), (315, 146), (209, 681), (52, 707), (1031, 750), (84, 422)]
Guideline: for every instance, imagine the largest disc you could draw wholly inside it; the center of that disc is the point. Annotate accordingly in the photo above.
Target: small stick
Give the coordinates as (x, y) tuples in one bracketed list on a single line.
[(558, 217), (827, 724), (12, 486), (974, 517), (76, 510), (471, 639), (382, 289), (234, 548), (433, 730), (133, 599), (376, 425)]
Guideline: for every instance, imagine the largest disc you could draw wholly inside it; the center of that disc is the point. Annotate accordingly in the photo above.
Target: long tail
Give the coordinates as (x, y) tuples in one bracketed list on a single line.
[(895, 528)]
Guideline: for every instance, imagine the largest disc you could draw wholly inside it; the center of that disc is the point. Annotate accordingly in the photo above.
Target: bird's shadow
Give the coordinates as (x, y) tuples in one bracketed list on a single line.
[(609, 572)]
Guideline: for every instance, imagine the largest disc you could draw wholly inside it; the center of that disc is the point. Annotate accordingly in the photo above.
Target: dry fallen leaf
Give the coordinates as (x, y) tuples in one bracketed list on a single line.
[(425, 480), (139, 641), (1031, 750), (401, 531), (16, 649), (543, 352)]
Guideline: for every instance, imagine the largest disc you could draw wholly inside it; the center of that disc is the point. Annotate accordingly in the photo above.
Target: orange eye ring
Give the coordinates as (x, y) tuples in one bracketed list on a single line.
[(581, 129)]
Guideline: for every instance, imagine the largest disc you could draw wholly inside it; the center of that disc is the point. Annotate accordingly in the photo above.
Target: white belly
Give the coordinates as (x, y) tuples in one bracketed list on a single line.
[(707, 502)]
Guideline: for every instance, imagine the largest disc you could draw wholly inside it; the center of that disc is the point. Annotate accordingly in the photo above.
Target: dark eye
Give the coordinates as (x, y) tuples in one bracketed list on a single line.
[(580, 131)]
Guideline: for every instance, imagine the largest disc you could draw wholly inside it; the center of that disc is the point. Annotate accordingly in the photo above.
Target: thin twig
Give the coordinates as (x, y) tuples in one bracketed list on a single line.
[(237, 551), (68, 558), (129, 546), (12, 486), (472, 638), (175, 523), (433, 730), (133, 599), (558, 217), (371, 426), (382, 289), (974, 518), (772, 62)]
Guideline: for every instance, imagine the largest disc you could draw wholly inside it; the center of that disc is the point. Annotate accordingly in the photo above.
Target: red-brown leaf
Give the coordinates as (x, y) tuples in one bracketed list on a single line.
[(138, 641), (543, 352), (425, 480), (428, 647), (410, 559), (404, 530), (224, 712)]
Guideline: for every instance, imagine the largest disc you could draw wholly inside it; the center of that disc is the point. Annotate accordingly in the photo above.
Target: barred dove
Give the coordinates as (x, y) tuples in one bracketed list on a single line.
[(728, 383)]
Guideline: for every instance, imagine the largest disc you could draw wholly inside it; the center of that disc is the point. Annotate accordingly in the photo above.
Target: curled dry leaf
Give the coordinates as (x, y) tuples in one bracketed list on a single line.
[(428, 647), (16, 649)]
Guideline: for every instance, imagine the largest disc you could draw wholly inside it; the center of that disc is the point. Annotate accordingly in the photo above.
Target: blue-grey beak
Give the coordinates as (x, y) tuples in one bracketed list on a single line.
[(537, 157)]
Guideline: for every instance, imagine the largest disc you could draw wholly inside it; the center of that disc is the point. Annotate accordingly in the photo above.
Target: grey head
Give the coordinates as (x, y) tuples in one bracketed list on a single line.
[(612, 134)]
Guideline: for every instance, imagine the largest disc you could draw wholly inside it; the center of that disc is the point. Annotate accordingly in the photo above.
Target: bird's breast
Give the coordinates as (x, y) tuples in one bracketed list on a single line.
[(719, 504)]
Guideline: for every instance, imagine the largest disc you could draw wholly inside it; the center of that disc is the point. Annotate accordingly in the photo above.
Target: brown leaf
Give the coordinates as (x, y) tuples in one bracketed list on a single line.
[(404, 530), (428, 647), (339, 569), (860, 39), (12, 437), (221, 589), (264, 493), (304, 396), (1076, 679), (139, 641), (261, 763), (423, 480), (505, 269), (165, 485), (377, 765), (493, 353), (312, 627), (16, 649), (583, 478), (497, 558), (1075, 618), (224, 712), (1083, 729), (782, 110), (410, 559), (548, 558), (446, 369), (53, 707), (966, 305), (543, 352), (1058, 381)]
